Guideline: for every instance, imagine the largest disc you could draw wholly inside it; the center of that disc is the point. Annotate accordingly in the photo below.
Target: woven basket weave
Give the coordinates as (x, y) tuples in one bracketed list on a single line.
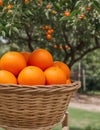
[(34, 107)]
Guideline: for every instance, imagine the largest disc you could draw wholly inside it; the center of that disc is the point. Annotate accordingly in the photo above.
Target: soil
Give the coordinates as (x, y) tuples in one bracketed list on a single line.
[(86, 102)]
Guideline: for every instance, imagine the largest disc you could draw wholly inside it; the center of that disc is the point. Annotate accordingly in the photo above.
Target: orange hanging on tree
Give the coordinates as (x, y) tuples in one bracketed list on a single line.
[(66, 13), (49, 37), (26, 1), (9, 6), (1, 3)]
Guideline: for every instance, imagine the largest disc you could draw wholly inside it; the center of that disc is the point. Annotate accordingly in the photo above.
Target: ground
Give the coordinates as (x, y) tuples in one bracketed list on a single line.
[(91, 103)]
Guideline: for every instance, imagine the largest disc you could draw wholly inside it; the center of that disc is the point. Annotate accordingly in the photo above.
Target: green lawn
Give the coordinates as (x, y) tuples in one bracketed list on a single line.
[(82, 120)]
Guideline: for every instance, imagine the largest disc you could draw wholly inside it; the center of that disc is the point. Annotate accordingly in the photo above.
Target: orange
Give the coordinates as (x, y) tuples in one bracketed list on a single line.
[(67, 47), (61, 47), (53, 12), (9, 6), (7, 77), (67, 13), (26, 1), (1, 3), (26, 55), (31, 75), (0, 65), (68, 81), (49, 37), (48, 6), (55, 46), (41, 58), (55, 75), (64, 67), (47, 27), (13, 61), (50, 31)]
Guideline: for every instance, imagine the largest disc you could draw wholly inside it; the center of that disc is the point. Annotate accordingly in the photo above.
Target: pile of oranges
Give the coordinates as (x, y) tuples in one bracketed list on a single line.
[(32, 68)]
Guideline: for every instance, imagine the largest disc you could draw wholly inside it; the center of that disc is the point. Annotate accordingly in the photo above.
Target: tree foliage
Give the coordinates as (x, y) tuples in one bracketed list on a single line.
[(75, 26), (91, 64)]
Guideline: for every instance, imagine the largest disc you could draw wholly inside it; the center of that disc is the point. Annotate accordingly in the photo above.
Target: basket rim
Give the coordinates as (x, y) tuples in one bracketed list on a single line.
[(42, 86), (13, 88)]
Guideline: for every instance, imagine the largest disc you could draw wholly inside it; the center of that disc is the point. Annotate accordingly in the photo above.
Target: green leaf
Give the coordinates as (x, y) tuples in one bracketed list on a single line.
[(3, 33), (78, 3), (10, 32), (29, 12), (97, 5), (8, 25), (57, 6), (64, 18), (47, 14), (75, 12), (15, 30)]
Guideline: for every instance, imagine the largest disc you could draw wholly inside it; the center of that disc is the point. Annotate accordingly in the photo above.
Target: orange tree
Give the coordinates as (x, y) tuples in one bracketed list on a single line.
[(68, 28)]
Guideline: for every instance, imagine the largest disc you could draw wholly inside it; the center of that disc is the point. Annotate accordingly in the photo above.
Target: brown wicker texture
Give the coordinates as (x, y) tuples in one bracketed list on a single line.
[(34, 107)]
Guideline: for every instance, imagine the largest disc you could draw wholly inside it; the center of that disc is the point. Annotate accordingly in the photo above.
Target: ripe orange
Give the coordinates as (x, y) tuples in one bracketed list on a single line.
[(9, 6), (67, 47), (50, 31), (48, 6), (55, 46), (1, 3), (49, 37), (31, 75), (0, 65), (55, 75), (66, 13), (13, 62), (41, 58), (68, 81), (53, 12), (47, 27), (7, 77), (26, 1), (61, 47), (26, 55), (64, 67)]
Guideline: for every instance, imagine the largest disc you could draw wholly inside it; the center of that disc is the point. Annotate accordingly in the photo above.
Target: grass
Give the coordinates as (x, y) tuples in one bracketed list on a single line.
[(84, 120), (81, 120), (91, 93), (95, 93)]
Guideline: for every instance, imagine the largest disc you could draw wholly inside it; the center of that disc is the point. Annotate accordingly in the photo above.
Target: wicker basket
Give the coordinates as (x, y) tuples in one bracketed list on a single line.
[(34, 107)]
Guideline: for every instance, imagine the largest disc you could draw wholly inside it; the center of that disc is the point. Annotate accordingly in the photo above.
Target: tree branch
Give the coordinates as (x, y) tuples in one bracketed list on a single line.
[(29, 40), (84, 53), (97, 41), (65, 36)]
